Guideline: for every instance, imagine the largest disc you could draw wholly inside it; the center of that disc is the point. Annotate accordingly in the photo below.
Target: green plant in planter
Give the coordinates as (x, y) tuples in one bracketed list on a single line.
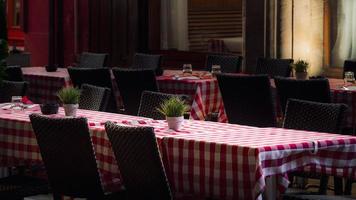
[(173, 107), (301, 66), (69, 95)]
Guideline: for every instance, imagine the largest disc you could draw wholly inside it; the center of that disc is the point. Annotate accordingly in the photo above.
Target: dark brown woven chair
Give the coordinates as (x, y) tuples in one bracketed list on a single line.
[(19, 59), (100, 77), (94, 97), (14, 73), (92, 60), (11, 88), (131, 84), (139, 162), (148, 61), (349, 65), (150, 101), (318, 117), (317, 90), (228, 64), (274, 67), (68, 156), (248, 100)]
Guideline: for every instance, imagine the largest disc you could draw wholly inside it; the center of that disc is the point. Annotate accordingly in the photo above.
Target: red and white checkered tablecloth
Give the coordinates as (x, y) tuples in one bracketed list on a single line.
[(232, 161), (347, 97), (204, 93), (44, 85), (211, 159)]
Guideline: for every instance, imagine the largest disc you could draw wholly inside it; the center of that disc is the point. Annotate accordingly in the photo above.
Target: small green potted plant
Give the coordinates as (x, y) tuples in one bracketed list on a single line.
[(174, 109), (301, 69), (69, 97)]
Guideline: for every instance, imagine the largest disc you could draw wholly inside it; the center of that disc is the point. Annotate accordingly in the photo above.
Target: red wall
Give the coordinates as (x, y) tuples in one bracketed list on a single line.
[(36, 36)]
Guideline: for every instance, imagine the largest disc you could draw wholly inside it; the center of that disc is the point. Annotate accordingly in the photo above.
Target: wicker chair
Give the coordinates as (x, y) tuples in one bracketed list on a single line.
[(14, 73), (349, 65), (317, 90), (248, 100), (228, 64), (150, 101), (92, 60), (94, 98), (68, 156), (274, 67), (131, 84), (139, 162), (100, 77), (148, 61), (19, 59), (11, 88), (319, 117)]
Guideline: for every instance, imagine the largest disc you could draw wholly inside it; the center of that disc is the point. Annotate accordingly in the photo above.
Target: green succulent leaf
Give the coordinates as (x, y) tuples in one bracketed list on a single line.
[(173, 107)]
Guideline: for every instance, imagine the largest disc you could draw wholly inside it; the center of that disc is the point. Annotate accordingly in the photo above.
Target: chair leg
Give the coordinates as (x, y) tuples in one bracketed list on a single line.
[(338, 185), (323, 184)]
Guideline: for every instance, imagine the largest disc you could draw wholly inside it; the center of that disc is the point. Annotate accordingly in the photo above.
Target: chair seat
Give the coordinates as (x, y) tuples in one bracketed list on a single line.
[(18, 187)]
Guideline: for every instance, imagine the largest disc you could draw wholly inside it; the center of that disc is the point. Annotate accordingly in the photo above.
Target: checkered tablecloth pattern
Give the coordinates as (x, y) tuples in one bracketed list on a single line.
[(44, 85), (204, 93), (210, 159), (347, 97), (232, 161)]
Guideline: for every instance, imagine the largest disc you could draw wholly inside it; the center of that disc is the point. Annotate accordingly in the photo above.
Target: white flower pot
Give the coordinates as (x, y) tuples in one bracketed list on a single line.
[(70, 109), (301, 75), (175, 123)]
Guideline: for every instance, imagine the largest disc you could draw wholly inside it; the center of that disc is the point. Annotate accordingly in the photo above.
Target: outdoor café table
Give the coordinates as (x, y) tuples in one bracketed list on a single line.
[(219, 160), (340, 94), (45, 85), (203, 91)]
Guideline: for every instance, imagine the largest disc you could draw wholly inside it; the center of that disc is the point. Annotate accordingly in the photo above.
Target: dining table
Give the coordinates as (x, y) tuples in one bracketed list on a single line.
[(207, 159), (201, 87)]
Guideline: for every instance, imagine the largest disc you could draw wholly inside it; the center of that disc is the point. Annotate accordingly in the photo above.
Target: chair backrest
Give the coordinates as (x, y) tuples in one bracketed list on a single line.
[(68, 155), (349, 65), (14, 73), (100, 77), (20, 59), (92, 60), (12, 88), (317, 90), (148, 61), (131, 84), (150, 101), (94, 97), (314, 116), (248, 100), (228, 64), (274, 67), (139, 162)]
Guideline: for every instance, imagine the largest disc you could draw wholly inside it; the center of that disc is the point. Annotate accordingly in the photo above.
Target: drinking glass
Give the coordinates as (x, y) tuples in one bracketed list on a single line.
[(187, 69), (349, 77), (215, 69), (16, 103)]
